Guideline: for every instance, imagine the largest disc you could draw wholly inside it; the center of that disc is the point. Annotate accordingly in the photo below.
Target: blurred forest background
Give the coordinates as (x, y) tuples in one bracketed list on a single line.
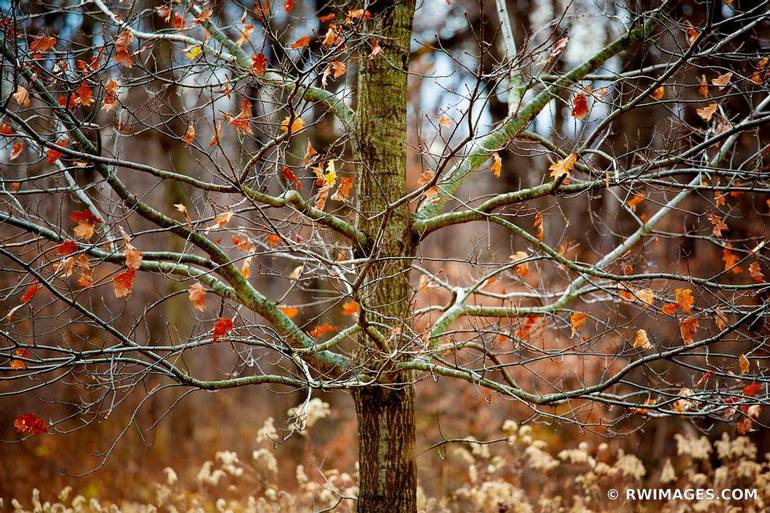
[(182, 432)]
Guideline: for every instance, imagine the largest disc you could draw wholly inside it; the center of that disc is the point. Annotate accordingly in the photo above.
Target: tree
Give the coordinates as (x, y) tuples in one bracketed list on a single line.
[(319, 259)]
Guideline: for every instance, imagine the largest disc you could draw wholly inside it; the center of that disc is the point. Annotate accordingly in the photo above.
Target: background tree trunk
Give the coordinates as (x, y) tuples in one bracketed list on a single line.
[(386, 428)]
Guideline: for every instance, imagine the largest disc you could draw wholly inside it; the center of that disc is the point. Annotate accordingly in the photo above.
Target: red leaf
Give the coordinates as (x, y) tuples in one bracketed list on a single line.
[(16, 150), (259, 64), (222, 327), (30, 424), (289, 175), (41, 44), (84, 216), (752, 389), (54, 155), (288, 6), (579, 106), (30, 292)]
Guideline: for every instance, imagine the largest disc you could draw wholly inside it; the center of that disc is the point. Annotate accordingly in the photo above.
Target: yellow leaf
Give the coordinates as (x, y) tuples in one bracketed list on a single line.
[(330, 177), (296, 125), (193, 52), (563, 166), (497, 165)]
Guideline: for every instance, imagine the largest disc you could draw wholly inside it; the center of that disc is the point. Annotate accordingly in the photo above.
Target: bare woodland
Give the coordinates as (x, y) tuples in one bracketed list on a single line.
[(554, 211)]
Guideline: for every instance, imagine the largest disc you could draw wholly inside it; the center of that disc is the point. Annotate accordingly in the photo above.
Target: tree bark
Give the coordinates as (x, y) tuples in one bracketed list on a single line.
[(385, 410)]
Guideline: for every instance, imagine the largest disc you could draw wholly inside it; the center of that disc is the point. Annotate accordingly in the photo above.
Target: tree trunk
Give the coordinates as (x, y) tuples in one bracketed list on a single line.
[(385, 410)]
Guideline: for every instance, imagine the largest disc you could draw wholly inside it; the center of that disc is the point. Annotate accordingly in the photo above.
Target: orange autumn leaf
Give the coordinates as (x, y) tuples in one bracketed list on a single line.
[(122, 54), (635, 201), (755, 271), (220, 220), (349, 307), (302, 42), (703, 87), (332, 36), (497, 165), (687, 328), (20, 364), (523, 268), (659, 93), (84, 95), (743, 364), (730, 260), (110, 99), (289, 311), (644, 411), (338, 69), (720, 319), (259, 64), (321, 329), (189, 135), (646, 296), (85, 223), (579, 106), (222, 327), (203, 16), (132, 255), (197, 295), (288, 5), (722, 81), (123, 283), (684, 299), (717, 225), (309, 154), (217, 132), (641, 340), (538, 226), (246, 268), (273, 240), (296, 125), (42, 44), (707, 112), (343, 190), (241, 121), (576, 321), (563, 166)]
